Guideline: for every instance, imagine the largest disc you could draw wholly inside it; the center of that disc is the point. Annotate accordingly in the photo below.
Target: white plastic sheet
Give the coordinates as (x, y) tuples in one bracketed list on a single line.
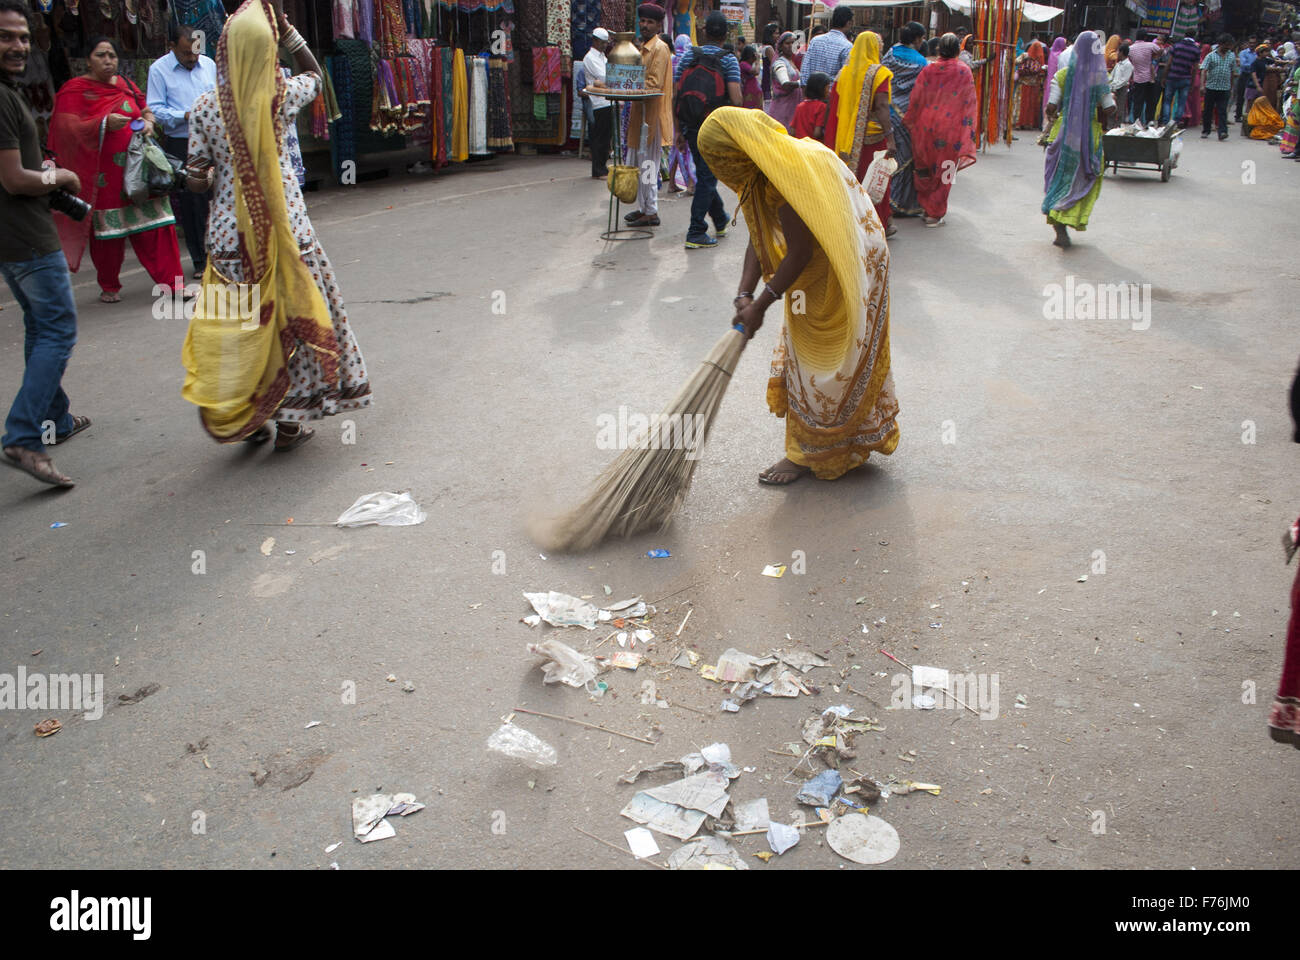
[(384, 509)]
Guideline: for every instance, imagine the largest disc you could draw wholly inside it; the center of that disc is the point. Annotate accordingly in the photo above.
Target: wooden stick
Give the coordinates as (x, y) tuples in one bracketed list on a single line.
[(797, 826), (673, 594), (687, 617), (583, 723), (614, 846), (685, 707)]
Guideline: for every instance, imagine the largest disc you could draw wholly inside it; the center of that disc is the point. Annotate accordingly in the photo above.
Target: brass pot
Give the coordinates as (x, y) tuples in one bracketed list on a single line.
[(624, 70), (624, 50)]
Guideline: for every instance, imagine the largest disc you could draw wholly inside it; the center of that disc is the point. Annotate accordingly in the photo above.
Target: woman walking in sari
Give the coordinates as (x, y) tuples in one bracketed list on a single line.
[(94, 118), (301, 361), (786, 92), (941, 120), (1072, 178), (1031, 68), (859, 126), (810, 230), (1291, 132), (905, 61)]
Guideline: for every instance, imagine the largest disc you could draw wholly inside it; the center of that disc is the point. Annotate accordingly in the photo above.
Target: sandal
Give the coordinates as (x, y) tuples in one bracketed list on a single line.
[(107, 297), (259, 436), (292, 440), (78, 424), (38, 465)]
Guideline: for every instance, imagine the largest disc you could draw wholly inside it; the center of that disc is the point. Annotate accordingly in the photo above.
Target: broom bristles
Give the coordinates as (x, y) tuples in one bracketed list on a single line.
[(646, 483)]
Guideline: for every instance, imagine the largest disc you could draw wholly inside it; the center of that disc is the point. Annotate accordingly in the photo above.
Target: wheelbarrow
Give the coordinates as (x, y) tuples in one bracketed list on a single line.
[(1141, 153)]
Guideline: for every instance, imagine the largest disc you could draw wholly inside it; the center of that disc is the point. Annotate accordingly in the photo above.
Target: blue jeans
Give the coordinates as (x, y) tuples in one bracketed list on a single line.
[(43, 288), (707, 203), (1175, 97)]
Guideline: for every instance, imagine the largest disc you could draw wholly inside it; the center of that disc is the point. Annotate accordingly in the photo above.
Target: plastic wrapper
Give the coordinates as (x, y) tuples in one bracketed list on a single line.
[(519, 743), (562, 610), (564, 664), (384, 509)]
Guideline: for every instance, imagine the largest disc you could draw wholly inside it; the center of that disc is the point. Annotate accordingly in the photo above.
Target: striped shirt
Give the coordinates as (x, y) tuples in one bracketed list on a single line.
[(1140, 54), (1184, 58), (826, 54), (1219, 70)]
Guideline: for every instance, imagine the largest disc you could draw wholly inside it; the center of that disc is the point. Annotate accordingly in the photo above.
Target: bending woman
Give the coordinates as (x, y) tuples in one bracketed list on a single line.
[(812, 237)]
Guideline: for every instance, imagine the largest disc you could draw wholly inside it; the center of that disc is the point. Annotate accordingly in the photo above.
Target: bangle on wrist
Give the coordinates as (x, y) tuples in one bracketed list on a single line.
[(744, 295)]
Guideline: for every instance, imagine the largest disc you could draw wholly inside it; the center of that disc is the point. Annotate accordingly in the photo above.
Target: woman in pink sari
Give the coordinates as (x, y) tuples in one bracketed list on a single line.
[(786, 92), (1195, 95), (941, 119)]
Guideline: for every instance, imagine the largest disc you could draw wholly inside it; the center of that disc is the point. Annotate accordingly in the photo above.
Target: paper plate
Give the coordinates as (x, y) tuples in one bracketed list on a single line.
[(863, 839)]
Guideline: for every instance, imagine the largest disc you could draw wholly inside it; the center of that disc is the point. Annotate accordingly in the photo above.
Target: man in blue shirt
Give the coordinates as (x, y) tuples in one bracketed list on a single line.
[(175, 81), (707, 203), (1183, 60), (1246, 60), (828, 53)]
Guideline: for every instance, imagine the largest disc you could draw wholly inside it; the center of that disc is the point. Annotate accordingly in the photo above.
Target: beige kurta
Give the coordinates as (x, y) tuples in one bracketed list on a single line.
[(659, 111)]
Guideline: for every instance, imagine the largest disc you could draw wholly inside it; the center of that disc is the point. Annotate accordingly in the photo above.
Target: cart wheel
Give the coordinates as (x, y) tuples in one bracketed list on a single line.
[(1165, 170)]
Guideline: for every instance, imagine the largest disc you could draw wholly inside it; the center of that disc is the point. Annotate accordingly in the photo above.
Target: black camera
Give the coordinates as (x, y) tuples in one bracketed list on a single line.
[(69, 204)]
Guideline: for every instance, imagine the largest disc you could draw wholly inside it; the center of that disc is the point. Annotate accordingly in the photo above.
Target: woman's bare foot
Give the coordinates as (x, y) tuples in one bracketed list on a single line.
[(1062, 236), (782, 473), (107, 297)]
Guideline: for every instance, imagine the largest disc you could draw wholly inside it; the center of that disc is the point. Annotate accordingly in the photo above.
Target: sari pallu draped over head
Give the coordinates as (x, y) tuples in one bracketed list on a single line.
[(855, 89), (941, 119), (81, 141), (830, 375), (236, 363), (1074, 160)]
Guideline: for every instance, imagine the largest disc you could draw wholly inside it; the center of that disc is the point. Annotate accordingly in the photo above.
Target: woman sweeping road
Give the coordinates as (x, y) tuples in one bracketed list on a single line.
[(301, 361), (816, 242), (1072, 179), (941, 121)]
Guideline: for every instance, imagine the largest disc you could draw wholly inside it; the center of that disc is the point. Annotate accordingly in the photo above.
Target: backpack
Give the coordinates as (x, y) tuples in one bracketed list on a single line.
[(701, 89)]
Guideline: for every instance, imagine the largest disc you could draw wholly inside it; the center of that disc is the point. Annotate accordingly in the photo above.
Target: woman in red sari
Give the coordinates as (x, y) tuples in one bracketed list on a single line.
[(94, 117), (941, 120), (1031, 70)]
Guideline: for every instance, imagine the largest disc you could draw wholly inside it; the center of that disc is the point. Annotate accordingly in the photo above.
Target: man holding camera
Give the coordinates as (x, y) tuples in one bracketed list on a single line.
[(33, 265), (175, 81)]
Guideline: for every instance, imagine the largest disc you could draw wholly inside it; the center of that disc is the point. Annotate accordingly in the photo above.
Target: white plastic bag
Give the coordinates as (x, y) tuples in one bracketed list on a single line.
[(1175, 150), (385, 509), (519, 743), (878, 174), (564, 664)]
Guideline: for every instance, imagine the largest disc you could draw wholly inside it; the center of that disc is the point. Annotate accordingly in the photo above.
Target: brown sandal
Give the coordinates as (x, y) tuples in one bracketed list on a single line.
[(292, 440), (39, 465), (78, 424)]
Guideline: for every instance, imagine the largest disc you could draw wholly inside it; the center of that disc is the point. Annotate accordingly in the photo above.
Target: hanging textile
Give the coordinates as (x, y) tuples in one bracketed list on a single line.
[(478, 98), (499, 136), (422, 53), (411, 16), (530, 20), (345, 18), (390, 31), (459, 150), (558, 31), (324, 109), (613, 15), (206, 15), (448, 103), (585, 16), (546, 70), (366, 22)]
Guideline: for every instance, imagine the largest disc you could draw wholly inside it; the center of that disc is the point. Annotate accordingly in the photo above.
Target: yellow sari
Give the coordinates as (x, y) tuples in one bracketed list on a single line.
[(830, 375), (849, 86), (239, 342)]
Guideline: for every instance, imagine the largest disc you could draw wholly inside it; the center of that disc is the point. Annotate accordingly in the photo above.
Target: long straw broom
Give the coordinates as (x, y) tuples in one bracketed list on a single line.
[(648, 481)]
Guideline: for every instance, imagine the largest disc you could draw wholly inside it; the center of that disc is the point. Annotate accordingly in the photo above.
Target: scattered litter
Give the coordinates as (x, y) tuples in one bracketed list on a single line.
[(776, 571), (625, 604), (1021, 702), (290, 553), (645, 636), (730, 706), (658, 553), (267, 546), (908, 786), (863, 839), (753, 815), (408, 687), (707, 853), (930, 677), (781, 837), (679, 809), (368, 814), (641, 842), (608, 591), (821, 789), (1082, 579), (764, 855), (686, 766), (562, 610), (47, 728), (314, 723), (563, 664), (716, 753), (391, 678), (649, 693), (517, 742), (332, 847), (687, 659), (843, 710), (735, 666), (936, 625), (385, 509), (923, 701), (56, 524), (801, 660), (864, 789), (601, 688)]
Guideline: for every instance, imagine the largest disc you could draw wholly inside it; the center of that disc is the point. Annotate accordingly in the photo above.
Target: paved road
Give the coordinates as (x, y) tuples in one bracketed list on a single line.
[(1071, 436)]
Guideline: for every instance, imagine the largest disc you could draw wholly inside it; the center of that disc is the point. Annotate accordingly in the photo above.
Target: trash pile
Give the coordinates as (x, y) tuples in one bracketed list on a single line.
[(1139, 129), (777, 674), (369, 814)]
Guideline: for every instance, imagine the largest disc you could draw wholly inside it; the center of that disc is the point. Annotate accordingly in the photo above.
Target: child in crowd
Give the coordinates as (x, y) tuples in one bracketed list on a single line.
[(810, 115), (750, 88)]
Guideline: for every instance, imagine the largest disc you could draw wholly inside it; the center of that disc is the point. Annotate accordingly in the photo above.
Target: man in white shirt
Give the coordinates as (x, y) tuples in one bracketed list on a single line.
[(1119, 81), (175, 82), (602, 111)]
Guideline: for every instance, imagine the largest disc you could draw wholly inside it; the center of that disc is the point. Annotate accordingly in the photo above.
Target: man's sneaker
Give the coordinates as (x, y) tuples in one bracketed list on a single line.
[(697, 243), (1223, 136), (721, 231)]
